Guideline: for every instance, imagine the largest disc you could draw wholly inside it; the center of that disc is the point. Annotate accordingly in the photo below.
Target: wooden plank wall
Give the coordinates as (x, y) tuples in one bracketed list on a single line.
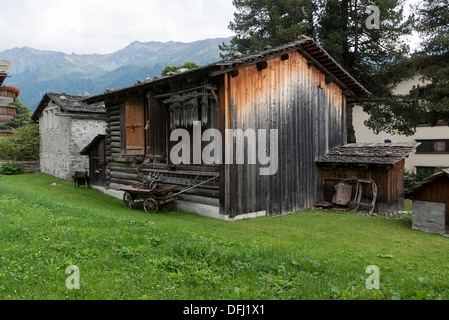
[(436, 192), (121, 170), (389, 181), (309, 115)]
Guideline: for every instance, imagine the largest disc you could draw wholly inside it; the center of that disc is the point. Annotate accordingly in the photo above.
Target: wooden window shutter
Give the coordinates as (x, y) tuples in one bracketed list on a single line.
[(135, 128)]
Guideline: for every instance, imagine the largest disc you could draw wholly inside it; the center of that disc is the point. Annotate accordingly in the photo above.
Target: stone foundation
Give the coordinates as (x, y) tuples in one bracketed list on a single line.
[(429, 217)]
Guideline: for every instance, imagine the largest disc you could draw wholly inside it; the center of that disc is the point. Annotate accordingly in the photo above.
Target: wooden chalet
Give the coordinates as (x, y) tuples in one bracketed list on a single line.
[(296, 89), (381, 163)]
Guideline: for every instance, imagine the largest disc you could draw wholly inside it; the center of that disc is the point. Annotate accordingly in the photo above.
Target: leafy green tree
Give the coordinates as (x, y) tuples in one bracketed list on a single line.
[(187, 65), (22, 146), (23, 115)]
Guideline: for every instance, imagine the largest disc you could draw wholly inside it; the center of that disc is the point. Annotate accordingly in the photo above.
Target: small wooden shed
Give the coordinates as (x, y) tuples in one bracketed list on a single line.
[(381, 163), (95, 150), (431, 203)]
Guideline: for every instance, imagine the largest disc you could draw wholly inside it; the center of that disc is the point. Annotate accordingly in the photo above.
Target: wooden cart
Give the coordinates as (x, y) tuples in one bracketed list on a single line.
[(152, 199)]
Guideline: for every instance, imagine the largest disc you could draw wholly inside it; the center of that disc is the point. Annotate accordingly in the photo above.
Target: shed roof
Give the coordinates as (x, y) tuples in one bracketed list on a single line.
[(366, 153), (92, 144), (68, 103), (305, 45), (426, 182), (5, 65)]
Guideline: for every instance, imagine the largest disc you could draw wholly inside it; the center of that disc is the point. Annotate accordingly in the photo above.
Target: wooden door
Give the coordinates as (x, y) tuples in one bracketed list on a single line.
[(97, 164), (135, 127)]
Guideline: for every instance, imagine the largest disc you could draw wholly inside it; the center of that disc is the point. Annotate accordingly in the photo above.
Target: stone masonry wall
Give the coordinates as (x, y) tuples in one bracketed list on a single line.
[(429, 216), (82, 133), (62, 139), (54, 142)]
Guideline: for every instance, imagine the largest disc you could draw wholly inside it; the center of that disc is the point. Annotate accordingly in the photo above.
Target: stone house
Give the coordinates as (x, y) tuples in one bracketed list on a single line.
[(66, 126)]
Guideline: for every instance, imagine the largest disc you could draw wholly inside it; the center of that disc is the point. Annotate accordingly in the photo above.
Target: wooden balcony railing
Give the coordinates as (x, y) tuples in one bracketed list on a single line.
[(9, 92), (8, 111)]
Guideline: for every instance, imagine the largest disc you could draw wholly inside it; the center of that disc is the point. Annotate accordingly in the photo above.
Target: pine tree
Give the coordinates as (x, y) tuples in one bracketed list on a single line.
[(375, 55), (259, 23), (426, 104)]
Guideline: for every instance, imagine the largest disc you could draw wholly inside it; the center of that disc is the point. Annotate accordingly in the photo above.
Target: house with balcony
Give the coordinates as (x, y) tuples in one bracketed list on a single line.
[(8, 95)]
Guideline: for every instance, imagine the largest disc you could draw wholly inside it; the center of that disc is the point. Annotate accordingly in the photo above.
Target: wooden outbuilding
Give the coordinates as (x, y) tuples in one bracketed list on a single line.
[(380, 163), (430, 204), (292, 98), (95, 150), (66, 126)]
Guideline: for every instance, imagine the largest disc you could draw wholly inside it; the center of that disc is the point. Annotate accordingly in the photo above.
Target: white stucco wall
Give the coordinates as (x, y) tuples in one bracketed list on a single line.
[(82, 133), (54, 135), (365, 135), (61, 140)]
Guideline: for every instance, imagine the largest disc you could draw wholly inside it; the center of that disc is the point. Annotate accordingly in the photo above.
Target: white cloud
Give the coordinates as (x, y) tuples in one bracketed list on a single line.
[(99, 26)]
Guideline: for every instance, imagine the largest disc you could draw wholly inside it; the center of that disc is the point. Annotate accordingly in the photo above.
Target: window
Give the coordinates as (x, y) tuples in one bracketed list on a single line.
[(433, 146), (135, 128)]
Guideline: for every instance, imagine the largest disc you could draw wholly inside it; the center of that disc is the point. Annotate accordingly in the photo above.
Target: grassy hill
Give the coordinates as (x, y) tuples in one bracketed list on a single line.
[(128, 254)]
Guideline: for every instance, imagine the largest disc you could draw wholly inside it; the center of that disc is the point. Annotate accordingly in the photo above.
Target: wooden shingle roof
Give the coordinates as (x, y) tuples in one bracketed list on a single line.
[(370, 153), (311, 50)]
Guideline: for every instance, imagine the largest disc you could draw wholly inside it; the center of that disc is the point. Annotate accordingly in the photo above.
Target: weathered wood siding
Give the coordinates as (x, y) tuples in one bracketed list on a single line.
[(120, 167), (309, 115), (388, 179), (437, 191)]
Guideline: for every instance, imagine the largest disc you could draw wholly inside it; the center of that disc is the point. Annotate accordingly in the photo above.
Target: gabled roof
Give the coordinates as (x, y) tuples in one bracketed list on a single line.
[(312, 51), (5, 65), (428, 181), (366, 153), (68, 103)]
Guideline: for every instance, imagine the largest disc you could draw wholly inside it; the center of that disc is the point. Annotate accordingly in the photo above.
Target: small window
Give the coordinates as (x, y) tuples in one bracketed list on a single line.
[(433, 146)]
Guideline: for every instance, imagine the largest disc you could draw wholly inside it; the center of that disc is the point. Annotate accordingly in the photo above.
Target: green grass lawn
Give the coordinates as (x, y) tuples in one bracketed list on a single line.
[(128, 254)]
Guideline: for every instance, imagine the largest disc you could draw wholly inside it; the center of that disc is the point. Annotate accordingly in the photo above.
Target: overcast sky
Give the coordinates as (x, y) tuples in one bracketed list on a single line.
[(104, 26)]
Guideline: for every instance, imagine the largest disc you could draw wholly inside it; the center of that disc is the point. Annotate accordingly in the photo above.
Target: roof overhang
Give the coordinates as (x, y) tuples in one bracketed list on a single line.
[(411, 192), (387, 154), (312, 51)]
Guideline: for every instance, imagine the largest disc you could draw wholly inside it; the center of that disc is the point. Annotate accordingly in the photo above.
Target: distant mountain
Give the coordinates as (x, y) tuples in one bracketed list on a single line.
[(37, 71)]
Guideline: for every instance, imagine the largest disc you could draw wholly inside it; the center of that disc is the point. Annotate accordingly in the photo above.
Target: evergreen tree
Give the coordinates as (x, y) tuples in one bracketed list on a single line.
[(427, 103), (258, 23), (374, 54)]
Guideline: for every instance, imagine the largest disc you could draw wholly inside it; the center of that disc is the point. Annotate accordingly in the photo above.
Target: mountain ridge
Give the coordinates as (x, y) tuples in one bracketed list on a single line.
[(37, 71)]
